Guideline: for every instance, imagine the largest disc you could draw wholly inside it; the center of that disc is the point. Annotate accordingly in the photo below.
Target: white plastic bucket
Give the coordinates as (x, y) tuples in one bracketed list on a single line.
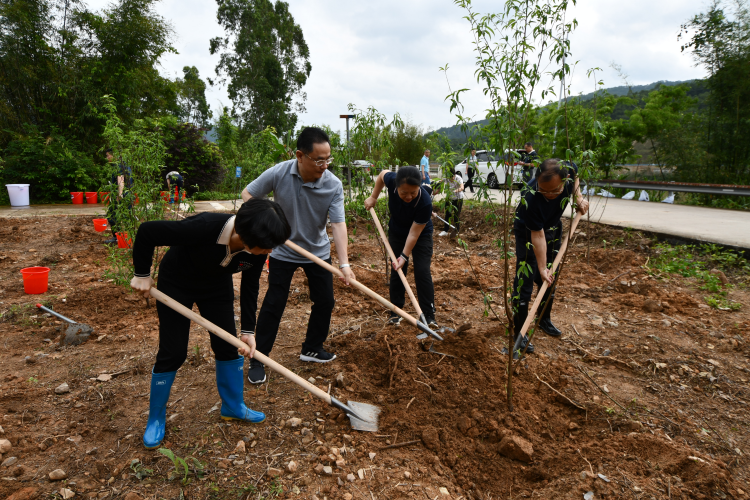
[(19, 194)]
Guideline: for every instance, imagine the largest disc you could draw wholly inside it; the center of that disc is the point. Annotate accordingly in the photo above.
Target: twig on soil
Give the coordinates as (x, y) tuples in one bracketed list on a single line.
[(177, 401), (621, 274), (597, 386), (399, 445), (428, 386), (576, 330), (410, 402), (561, 394), (225, 436), (395, 366), (584, 458), (595, 356), (390, 353)]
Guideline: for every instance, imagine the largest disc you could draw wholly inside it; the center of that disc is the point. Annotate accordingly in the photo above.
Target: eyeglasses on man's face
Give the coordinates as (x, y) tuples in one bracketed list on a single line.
[(320, 163)]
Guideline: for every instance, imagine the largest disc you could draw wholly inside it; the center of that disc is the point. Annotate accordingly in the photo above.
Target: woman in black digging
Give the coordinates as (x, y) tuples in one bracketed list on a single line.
[(538, 230), (409, 233), (204, 251)]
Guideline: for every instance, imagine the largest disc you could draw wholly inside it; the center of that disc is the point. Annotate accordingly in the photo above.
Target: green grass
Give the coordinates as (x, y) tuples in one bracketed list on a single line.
[(691, 261)]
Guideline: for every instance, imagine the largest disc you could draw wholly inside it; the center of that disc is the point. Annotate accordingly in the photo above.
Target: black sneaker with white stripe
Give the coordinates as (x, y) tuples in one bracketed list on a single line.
[(256, 374), (319, 356)]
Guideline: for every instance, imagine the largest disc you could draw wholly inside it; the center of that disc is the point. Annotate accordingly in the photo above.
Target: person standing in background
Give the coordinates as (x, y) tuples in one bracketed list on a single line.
[(471, 170), (424, 167), (174, 179), (121, 181)]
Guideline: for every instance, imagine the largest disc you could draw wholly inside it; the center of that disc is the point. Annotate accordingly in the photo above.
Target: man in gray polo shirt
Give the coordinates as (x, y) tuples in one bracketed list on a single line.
[(309, 194)]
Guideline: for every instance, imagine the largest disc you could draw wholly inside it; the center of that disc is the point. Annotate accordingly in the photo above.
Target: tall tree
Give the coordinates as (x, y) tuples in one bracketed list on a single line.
[(191, 98), (266, 60)]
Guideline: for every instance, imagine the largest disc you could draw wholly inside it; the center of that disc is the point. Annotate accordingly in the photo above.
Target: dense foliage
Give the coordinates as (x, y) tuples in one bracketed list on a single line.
[(266, 59)]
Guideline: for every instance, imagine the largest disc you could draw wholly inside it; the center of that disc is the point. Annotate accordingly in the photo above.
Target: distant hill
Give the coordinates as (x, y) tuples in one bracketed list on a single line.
[(455, 134)]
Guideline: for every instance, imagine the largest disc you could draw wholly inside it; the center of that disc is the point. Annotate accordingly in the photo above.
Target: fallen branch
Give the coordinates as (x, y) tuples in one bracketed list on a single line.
[(603, 391), (560, 393), (395, 365), (399, 445)]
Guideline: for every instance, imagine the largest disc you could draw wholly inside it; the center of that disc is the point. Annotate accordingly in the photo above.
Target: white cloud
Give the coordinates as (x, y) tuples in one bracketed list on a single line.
[(386, 54)]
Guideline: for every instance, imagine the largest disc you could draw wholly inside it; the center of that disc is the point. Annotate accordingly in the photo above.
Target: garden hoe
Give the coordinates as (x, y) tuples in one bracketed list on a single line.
[(75, 334), (363, 416), (356, 284), (401, 275), (545, 285)]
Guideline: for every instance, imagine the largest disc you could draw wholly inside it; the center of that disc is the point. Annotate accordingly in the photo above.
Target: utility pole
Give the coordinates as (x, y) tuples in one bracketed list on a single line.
[(349, 166)]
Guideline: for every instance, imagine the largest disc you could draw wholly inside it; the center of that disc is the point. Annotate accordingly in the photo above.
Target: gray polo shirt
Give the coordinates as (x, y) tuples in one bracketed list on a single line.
[(307, 207)]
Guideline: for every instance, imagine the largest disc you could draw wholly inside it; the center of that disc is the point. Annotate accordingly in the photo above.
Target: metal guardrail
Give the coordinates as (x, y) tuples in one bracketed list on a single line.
[(682, 187)]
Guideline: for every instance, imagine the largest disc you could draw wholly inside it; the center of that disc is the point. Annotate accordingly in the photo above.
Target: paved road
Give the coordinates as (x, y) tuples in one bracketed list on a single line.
[(713, 225)]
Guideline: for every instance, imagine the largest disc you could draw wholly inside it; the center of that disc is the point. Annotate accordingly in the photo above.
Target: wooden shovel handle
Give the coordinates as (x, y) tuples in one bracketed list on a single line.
[(356, 284), (224, 335), (400, 272), (545, 285)]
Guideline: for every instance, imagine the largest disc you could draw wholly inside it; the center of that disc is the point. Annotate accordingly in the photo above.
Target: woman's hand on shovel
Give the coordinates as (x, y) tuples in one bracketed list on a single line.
[(249, 351), (142, 285)]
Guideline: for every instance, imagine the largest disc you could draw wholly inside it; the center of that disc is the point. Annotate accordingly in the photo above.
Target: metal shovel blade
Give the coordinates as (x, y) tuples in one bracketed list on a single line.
[(362, 416), (76, 334)]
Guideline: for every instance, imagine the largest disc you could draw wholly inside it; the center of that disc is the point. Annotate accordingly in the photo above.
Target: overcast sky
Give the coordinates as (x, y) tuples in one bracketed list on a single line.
[(388, 53)]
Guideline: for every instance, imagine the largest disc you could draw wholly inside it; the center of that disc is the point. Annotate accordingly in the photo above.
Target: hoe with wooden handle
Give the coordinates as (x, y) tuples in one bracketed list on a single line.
[(545, 285), (401, 275), (356, 284), (363, 416), (400, 272)]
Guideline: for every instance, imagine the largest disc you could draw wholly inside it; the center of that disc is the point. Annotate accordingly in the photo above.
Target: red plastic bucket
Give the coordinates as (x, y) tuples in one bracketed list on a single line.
[(91, 198), (77, 198), (123, 240), (104, 197), (100, 225), (35, 280)]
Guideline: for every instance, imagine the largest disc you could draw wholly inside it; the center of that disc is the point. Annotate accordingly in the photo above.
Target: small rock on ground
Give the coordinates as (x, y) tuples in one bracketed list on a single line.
[(5, 446), (430, 438), (516, 448), (57, 475), (62, 388)]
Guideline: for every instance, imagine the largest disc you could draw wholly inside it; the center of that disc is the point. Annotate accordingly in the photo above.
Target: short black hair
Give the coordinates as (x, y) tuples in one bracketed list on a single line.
[(409, 175), (108, 150), (262, 223), (310, 136), (529, 144), (552, 167)]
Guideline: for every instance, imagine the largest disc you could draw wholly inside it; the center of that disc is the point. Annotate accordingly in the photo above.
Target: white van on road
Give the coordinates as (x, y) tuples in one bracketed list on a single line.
[(492, 171)]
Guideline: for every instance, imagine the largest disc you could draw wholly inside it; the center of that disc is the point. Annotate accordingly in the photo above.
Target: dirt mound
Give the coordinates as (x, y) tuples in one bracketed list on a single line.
[(454, 403)]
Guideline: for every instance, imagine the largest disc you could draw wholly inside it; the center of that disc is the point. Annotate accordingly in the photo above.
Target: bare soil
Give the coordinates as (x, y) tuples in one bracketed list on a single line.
[(644, 396)]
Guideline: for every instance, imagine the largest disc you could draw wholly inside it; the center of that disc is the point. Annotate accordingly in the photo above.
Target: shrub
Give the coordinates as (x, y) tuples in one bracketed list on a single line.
[(198, 160), (52, 164)]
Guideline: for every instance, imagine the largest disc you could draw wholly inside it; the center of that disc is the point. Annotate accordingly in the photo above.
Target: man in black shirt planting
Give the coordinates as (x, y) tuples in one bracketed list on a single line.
[(538, 230), (204, 252), (409, 233)]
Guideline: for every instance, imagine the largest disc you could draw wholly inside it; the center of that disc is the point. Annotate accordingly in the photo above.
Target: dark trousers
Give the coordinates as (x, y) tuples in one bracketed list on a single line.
[(422, 257), (215, 300), (523, 285), (320, 281), (453, 214), (469, 184)]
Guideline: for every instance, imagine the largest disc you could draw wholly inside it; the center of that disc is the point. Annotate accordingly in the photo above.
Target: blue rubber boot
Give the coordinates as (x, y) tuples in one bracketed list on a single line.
[(161, 385), (231, 382)]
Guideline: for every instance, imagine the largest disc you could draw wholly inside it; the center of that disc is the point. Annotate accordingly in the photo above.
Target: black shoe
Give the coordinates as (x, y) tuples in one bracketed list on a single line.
[(522, 346), (432, 323), (395, 319), (256, 374), (545, 324), (319, 356), (110, 241)]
